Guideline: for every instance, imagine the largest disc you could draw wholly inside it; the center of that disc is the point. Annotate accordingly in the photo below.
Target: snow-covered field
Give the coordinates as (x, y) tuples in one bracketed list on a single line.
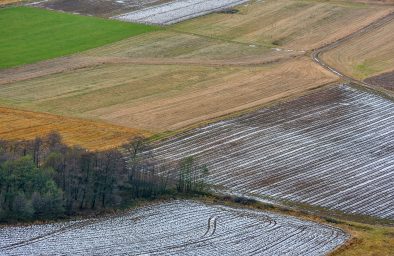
[(176, 228), (333, 148), (177, 11)]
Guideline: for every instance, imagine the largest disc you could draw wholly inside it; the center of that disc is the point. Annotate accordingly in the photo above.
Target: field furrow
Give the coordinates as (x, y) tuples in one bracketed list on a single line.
[(332, 148), (178, 228)]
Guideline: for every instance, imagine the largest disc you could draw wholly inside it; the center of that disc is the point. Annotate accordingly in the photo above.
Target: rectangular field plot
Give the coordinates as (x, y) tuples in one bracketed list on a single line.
[(333, 148), (177, 10), (176, 228), (102, 8)]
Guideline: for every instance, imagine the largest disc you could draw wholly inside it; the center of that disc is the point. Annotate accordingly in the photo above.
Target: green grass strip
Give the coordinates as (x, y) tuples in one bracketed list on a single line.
[(28, 35)]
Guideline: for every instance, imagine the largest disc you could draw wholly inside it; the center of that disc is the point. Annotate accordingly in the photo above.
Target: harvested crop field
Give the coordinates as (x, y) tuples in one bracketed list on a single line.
[(168, 45), (366, 55), (282, 24), (177, 10), (26, 125), (162, 97), (176, 228), (332, 148), (102, 8)]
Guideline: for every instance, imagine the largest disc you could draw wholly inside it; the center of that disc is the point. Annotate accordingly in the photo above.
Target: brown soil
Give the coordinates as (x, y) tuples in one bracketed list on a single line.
[(385, 80)]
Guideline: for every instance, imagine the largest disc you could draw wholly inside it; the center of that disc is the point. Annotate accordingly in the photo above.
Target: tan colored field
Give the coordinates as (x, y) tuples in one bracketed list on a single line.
[(161, 47), (2, 2), (20, 125), (169, 44), (162, 97), (300, 25), (191, 72), (366, 55)]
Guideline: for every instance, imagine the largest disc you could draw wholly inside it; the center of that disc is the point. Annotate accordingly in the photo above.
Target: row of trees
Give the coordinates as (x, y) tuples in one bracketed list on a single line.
[(44, 178)]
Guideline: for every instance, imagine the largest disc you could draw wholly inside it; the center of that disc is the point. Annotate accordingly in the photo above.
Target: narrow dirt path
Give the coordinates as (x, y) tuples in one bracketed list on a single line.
[(370, 27)]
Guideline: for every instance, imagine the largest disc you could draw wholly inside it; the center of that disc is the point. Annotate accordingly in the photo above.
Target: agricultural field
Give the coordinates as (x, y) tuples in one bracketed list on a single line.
[(162, 97), (332, 149), (177, 10), (101, 8), (294, 25), (177, 228), (367, 55), (27, 125), (53, 34), (159, 47), (385, 80), (4, 2)]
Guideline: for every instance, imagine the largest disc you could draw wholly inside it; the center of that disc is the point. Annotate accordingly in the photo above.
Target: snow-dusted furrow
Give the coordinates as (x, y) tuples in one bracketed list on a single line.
[(333, 148), (180, 228), (177, 11)]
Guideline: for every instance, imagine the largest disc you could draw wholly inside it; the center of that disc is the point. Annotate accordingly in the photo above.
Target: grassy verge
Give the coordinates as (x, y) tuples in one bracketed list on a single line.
[(29, 34)]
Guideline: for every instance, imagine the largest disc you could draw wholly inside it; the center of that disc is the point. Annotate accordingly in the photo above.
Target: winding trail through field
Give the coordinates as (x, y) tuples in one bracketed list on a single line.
[(370, 27)]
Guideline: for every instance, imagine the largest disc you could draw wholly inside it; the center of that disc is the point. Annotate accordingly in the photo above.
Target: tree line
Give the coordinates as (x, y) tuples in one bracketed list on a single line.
[(46, 179)]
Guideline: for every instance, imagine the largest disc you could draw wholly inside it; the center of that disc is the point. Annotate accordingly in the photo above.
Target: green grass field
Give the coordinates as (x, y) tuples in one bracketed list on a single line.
[(29, 34)]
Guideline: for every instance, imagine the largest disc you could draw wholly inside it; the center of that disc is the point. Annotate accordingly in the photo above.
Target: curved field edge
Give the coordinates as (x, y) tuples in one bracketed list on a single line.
[(365, 55), (370, 238), (242, 230), (53, 34)]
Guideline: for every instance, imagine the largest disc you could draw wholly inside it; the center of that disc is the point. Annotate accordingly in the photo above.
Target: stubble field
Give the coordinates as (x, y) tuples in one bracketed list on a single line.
[(93, 135), (366, 55), (296, 25), (162, 97)]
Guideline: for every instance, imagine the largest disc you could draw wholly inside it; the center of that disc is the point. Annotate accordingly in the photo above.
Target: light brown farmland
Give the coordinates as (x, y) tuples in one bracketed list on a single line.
[(179, 45), (366, 55), (163, 97), (300, 25), (3, 2), (24, 125)]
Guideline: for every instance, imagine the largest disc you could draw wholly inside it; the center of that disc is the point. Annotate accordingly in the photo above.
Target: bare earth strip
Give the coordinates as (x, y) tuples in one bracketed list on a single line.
[(23, 125), (332, 148), (177, 10), (163, 97), (180, 228)]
